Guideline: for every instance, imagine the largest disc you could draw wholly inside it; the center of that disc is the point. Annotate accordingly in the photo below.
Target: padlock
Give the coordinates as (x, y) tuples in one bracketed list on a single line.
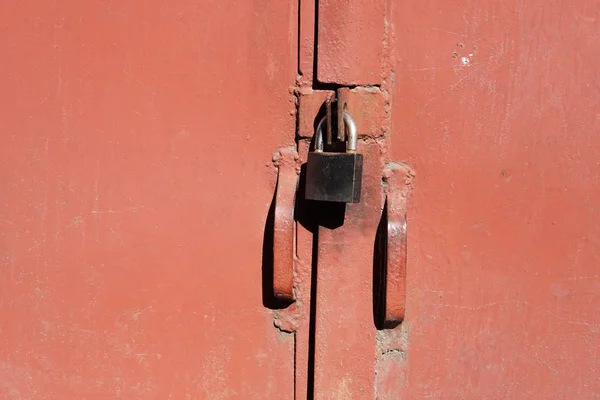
[(332, 176)]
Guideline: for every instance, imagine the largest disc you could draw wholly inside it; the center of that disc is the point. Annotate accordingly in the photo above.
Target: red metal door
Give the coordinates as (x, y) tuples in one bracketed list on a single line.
[(135, 179), (497, 109), (494, 110)]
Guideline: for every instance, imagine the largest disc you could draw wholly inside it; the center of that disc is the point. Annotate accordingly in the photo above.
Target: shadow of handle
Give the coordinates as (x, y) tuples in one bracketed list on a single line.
[(284, 224)]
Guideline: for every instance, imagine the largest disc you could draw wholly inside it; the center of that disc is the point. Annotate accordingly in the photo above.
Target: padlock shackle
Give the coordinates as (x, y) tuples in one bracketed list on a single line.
[(352, 134)]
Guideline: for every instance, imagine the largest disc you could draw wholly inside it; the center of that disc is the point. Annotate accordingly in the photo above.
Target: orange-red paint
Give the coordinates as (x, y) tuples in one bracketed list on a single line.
[(135, 180), (136, 177), (496, 107)]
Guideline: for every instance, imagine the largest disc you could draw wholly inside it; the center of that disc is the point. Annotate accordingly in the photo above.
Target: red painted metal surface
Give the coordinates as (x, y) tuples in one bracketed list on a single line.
[(345, 334), (135, 179), (309, 104), (305, 253), (306, 42), (350, 42), (496, 107), (345, 330)]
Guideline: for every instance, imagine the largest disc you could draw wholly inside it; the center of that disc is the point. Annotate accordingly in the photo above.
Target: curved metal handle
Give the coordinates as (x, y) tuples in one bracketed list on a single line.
[(399, 179), (283, 226)]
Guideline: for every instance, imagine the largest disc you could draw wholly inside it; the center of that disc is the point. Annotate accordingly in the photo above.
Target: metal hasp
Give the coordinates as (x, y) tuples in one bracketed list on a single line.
[(335, 177)]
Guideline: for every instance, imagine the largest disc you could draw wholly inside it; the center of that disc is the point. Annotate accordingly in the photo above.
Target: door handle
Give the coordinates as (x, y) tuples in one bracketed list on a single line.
[(286, 161), (399, 179)]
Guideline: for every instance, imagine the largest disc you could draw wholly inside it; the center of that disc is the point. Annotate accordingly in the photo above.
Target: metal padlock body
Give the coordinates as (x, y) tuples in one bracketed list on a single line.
[(335, 177)]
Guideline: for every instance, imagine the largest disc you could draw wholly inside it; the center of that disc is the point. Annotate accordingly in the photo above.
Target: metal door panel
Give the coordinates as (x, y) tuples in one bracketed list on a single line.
[(135, 179), (496, 109)]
